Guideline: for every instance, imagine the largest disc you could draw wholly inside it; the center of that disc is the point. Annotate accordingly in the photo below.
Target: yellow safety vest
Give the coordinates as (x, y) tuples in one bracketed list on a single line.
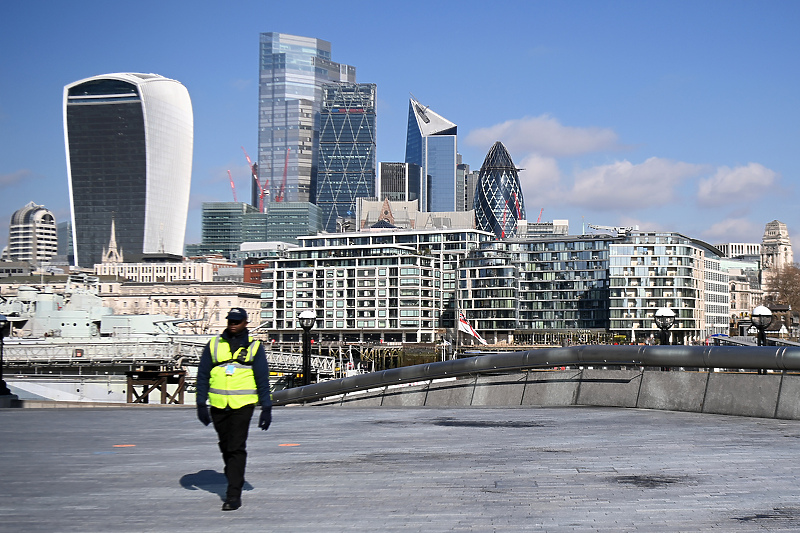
[(232, 383)]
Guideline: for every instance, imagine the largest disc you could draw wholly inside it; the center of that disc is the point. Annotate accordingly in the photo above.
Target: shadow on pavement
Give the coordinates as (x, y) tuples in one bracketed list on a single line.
[(210, 481)]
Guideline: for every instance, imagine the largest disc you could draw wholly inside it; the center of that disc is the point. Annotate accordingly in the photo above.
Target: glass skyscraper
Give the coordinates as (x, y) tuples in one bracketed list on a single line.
[(292, 71), (431, 144), (129, 142), (346, 150), (399, 182), (498, 195)]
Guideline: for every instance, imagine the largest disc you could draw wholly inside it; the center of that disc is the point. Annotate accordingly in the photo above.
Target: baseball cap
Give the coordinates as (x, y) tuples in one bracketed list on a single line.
[(237, 313)]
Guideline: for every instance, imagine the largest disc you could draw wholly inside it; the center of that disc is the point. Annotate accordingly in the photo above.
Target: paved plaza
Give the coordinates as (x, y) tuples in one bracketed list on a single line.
[(327, 469)]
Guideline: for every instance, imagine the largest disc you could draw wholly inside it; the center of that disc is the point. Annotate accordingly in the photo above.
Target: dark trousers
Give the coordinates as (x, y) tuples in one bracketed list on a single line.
[(232, 426)]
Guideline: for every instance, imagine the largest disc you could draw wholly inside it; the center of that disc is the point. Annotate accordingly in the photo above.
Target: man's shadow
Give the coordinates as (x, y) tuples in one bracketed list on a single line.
[(209, 480)]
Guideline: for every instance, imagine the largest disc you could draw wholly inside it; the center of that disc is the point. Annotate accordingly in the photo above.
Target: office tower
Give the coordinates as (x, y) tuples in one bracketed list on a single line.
[(465, 186), (498, 195), (399, 182), (292, 71), (346, 150), (431, 144), (286, 221), (64, 230), (226, 225), (32, 235), (129, 141)]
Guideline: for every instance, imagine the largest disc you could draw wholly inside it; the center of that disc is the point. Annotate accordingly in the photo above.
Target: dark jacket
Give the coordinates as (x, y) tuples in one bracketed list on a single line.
[(260, 368)]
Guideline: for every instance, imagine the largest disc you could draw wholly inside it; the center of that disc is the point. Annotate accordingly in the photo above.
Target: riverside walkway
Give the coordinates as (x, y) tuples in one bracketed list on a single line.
[(328, 469)]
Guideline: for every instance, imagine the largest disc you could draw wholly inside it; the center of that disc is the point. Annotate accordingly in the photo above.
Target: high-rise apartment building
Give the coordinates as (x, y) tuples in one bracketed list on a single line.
[(431, 143), (292, 71), (346, 150), (129, 142), (498, 197), (32, 234)]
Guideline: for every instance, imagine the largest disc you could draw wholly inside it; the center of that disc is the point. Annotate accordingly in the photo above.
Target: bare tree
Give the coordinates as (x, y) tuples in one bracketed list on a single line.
[(783, 286)]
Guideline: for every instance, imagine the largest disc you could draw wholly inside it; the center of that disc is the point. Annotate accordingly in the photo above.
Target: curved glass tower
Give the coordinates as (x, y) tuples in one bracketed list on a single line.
[(129, 142), (498, 195)]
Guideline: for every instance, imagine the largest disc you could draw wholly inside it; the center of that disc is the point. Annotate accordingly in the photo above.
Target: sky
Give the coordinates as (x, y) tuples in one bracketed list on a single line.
[(667, 115)]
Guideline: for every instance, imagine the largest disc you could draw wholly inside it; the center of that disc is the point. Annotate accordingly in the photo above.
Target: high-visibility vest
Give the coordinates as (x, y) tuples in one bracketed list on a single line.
[(232, 383)]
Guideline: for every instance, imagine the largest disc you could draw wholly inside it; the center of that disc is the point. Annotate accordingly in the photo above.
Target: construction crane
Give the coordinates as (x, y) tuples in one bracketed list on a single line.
[(282, 191), (540, 216), (233, 187), (261, 190)]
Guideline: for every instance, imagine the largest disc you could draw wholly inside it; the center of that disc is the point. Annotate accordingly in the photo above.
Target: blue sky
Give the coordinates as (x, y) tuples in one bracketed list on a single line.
[(677, 116)]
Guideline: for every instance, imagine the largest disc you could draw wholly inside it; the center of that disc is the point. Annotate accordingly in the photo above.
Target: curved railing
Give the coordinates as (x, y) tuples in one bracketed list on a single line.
[(761, 357)]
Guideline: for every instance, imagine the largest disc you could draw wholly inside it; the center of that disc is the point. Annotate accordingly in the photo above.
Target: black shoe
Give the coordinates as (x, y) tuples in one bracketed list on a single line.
[(231, 504)]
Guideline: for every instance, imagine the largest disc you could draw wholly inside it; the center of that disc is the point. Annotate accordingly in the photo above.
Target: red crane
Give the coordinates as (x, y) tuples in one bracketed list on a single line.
[(262, 191), (233, 187), (279, 198), (540, 215)]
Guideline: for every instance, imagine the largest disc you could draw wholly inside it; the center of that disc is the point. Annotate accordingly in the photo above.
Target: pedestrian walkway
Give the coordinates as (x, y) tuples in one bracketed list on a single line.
[(327, 469)]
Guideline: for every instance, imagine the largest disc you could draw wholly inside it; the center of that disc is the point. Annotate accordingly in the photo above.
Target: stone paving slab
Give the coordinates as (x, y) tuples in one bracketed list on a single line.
[(328, 469)]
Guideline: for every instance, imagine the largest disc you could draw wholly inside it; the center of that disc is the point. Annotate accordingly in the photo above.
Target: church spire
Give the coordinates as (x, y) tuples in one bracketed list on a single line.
[(112, 254)]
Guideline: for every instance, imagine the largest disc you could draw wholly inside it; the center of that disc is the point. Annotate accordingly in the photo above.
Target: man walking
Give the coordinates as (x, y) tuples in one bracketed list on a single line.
[(233, 375)]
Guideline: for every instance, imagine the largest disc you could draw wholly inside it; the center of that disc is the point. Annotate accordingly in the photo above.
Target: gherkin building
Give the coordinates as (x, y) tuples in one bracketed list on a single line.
[(498, 195)]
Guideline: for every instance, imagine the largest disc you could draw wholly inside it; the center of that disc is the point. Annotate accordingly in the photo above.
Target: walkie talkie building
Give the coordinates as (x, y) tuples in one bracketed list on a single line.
[(498, 195), (129, 143)]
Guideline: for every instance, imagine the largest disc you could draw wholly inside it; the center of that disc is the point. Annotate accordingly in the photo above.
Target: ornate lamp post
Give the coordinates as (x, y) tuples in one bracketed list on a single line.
[(4, 324), (665, 319), (762, 318), (307, 319)]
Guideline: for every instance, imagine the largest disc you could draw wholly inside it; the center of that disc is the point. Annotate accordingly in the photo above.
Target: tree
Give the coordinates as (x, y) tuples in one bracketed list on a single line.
[(782, 286)]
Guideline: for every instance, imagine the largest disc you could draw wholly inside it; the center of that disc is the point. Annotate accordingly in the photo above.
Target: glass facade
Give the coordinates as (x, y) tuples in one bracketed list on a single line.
[(499, 204), (431, 143), (129, 151), (346, 150), (292, 71), (399, 182)]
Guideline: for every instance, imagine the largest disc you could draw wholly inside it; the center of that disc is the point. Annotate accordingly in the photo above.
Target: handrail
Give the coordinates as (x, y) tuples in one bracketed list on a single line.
[(758, 357)]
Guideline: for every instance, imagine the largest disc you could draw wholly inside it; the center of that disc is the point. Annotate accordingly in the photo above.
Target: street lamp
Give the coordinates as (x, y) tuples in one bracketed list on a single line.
[(307, 319), (4, 324), (762, 318), (665, 319)]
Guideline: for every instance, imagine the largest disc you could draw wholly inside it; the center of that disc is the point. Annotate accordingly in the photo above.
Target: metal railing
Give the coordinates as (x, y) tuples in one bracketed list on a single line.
[(730, 357)]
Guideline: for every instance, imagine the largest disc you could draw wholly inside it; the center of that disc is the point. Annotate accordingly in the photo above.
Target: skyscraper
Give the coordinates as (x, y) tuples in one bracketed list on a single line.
[(399, 182), (32, 234), (498, 195), (292, 71), (346, 150), (431, 144), (129, 141)]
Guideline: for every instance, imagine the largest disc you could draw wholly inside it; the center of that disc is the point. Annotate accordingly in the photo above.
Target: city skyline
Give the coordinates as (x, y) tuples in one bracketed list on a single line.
[(670, 116)]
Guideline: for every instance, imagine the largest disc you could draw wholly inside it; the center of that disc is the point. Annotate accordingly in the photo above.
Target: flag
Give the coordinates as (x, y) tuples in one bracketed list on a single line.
[(463, 325)]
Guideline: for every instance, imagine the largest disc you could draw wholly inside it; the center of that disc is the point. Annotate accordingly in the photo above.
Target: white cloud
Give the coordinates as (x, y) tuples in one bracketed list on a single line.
[(733, 230), (624, 185), (540, 179), (7, 180), (739, 184), (546, 136)]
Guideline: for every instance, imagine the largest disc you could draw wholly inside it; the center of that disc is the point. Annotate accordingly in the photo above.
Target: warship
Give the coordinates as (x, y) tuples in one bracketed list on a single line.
[(70, 347)]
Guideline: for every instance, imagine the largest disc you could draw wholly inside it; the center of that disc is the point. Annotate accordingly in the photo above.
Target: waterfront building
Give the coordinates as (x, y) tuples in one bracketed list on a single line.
[(745, 292), (499, 204), (129, 142), (200, 307), (651, 270), (32, 235), (160, 272), (400, 182), (292, 72), (346, 150), (431, 143), (391, 285), (544, 290)]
